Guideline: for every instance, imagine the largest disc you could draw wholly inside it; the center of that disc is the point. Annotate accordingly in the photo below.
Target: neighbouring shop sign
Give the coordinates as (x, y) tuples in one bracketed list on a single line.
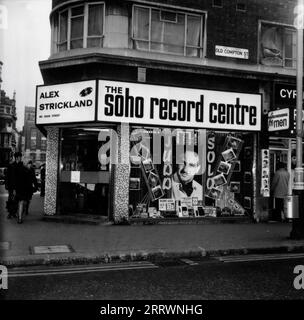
[(285, 94), (232, 52), (66, 103), (278, 120), (179, 107)]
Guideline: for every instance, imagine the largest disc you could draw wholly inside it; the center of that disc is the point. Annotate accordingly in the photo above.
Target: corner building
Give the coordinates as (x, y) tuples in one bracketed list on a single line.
[(140, 95)]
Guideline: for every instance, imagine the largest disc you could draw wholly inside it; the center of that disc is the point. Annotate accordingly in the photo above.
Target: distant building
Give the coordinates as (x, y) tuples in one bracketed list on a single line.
[(34, 143), (9, 135)]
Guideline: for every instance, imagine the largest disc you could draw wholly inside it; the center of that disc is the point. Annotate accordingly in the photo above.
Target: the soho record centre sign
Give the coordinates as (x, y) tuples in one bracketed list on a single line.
[(64, 103), (176, 106), (125, 102)]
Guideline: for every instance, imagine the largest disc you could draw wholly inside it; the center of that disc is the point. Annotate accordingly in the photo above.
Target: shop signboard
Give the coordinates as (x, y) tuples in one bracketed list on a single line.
[(231, 52), (135, 103), (278, 120), (66, 103), (285, 94)]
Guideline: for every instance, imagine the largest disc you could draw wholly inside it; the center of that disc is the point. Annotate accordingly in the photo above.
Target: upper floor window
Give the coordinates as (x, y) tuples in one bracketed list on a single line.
[(31, 116), (33, 138), (80, 27), (167, 31), (278, 45)]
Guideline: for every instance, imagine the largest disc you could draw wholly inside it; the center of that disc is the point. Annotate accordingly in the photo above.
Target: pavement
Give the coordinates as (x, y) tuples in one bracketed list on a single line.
[(20, 243)]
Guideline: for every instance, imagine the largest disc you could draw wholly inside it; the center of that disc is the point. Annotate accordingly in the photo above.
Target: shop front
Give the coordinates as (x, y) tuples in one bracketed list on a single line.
[(137, 151), (281, 144)]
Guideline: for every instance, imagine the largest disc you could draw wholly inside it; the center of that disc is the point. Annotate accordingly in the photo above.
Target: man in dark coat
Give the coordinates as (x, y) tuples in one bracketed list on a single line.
[(10, 185)]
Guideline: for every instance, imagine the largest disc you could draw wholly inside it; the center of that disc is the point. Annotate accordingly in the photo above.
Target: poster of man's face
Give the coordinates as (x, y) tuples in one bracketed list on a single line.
[(189, 168)]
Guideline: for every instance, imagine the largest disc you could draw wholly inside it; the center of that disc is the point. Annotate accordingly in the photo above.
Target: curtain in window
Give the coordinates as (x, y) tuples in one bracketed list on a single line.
[(77, 32), (290, 48), (95, 26), (193, 35), (63, 31), (167, 36), (271, 45), (141, 28)]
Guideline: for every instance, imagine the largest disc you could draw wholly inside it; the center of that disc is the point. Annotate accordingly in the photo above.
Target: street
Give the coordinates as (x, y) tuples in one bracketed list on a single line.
[(206, 279)]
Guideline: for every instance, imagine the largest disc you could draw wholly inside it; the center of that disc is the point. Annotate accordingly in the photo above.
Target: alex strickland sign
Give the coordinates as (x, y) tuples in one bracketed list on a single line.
[(148, 104), (62, 103)]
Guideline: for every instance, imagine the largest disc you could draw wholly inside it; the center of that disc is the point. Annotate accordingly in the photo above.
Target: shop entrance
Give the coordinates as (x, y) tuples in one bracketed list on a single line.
[(84, 186), (280, 151)]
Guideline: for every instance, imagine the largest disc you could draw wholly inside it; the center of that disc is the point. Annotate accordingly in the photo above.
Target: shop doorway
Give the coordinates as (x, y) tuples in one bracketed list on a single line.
[(280, 151), (84, 185)]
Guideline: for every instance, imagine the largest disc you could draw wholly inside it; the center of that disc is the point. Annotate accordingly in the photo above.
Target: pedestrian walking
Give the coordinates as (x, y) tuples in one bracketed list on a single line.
[(279, 190), (26, 185), (10, 185)]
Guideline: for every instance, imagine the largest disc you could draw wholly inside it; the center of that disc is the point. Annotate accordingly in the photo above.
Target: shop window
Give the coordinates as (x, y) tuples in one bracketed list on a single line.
[(167, 31), (277, 45), (84, 181), (190, 173), (80, 27)]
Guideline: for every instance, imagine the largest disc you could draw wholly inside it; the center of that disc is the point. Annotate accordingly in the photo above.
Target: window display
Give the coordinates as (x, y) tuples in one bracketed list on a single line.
[(170, 172), (227, 178), (190, 173)]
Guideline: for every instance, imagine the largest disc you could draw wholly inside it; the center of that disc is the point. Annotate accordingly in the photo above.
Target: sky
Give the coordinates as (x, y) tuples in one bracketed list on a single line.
[(25, 38)]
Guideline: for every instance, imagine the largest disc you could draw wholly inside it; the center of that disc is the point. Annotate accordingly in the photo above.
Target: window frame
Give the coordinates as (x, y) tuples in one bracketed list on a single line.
[(200, 14), (285, 27), (85, 25)]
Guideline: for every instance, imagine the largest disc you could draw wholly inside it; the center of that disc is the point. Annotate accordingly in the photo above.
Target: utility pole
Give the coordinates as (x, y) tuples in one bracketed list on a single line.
[(297, 231)]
